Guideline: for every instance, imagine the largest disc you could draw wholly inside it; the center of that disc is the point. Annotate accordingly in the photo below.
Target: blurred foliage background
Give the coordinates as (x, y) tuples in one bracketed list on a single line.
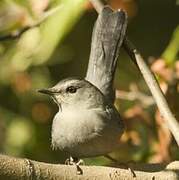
[(59, 47)]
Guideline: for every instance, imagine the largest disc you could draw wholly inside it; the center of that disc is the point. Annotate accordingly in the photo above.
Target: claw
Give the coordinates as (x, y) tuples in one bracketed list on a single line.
[(126, 165), (77, 162)]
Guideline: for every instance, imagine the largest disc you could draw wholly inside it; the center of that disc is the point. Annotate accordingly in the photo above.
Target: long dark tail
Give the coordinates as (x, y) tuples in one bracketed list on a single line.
[(108, 36)]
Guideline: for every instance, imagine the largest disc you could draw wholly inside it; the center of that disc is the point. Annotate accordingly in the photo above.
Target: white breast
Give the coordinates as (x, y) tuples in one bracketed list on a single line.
[(70, 128), (89, 133)]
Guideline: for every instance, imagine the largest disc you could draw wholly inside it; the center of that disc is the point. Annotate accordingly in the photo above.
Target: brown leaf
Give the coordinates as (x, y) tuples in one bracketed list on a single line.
[(160, 68), (41, 112), (164, 137), (21, 82), (38, 6), (130, 6)]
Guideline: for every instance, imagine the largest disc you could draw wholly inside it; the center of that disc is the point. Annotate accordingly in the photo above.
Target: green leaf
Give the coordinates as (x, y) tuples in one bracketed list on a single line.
[(170, 53), (57, 27)]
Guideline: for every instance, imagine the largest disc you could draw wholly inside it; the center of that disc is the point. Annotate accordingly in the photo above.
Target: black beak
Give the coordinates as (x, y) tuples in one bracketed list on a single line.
[(46, 91)]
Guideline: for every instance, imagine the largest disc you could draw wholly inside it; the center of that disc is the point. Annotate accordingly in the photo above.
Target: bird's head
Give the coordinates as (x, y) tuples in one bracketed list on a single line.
[(74, 92)]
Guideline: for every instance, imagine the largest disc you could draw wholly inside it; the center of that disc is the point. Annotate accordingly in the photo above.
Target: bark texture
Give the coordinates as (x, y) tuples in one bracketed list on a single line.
[(24, 169)]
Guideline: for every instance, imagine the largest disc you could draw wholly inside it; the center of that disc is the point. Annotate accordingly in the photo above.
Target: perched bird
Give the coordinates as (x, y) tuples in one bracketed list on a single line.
[(87, 123)]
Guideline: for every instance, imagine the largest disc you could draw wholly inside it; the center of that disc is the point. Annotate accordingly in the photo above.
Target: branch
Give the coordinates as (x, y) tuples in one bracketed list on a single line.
[(97, 4), (134, 95), (155, 90), (18, 33), (24, 169), (151, 83)]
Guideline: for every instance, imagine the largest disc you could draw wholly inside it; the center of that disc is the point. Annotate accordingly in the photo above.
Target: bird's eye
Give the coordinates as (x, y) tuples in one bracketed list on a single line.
[(71, 89)]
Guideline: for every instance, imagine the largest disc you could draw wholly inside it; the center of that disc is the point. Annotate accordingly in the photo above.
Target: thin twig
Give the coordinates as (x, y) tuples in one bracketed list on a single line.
[(143, 99), (98, 5), (155, 89), (151, 83), (16, 34)]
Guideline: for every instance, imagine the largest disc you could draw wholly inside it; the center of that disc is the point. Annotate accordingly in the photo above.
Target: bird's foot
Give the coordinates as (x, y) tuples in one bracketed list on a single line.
[(125, 165), (75, 162)]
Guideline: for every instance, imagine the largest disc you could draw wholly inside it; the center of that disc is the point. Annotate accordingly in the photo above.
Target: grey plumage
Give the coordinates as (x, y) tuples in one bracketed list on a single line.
[(107, 38), (87, 123)]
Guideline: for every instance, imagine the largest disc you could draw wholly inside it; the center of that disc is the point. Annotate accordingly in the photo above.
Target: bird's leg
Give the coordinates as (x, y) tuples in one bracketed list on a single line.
[(77, 162), (126, 165), (69, 161)]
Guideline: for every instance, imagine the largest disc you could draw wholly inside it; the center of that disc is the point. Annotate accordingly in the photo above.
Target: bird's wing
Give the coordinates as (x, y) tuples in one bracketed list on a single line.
[(107, 38)]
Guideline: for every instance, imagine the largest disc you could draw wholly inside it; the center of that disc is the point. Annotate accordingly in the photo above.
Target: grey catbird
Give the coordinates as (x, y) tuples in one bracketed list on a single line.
[(87, 123)]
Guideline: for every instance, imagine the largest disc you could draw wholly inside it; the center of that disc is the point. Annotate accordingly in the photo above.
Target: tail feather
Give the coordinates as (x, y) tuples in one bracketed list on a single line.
[(107, 38)]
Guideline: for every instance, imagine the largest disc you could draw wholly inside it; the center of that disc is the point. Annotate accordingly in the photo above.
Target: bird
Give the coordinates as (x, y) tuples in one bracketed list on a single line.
[(87, 123)]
